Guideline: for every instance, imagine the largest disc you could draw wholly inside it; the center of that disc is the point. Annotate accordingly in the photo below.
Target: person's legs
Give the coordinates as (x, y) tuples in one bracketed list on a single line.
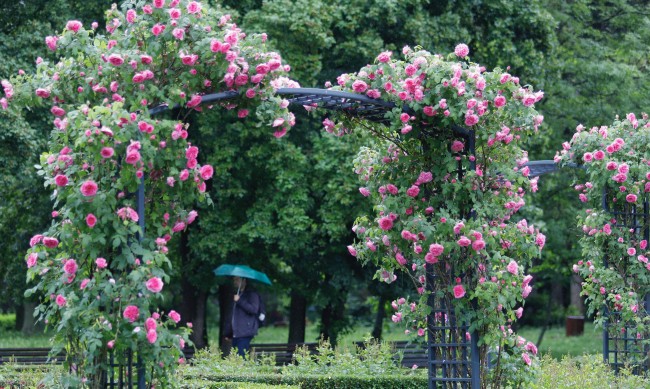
[(243, 345)]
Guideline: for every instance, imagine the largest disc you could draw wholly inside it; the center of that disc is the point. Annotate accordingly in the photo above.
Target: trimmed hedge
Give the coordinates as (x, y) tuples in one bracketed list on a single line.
[(204, 384), (330, 381)]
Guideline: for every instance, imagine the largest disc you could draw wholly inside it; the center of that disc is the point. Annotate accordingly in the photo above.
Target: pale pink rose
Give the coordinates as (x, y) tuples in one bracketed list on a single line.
[(61, 301), (31, 260), (513, 267), (50, 242), (88, 188), (115, 59), (70, 267), (519, 312), (150, 324), (110, 344), (359, 86), (526, 291), (50, 41), (61, 180), (424, 177), (193, 7), (400, 259), (384, 56), (36, 239), (540, 240), (179, 226), (459, 291), (461, 50), (73, 25), (206, 172), (436, 249), (154, 284), (631, 251), (132, 157), (189, 59), (478, 245), (101, 263), (526, 358), (130, 16), (152, 335), (174, 316), (364, 191), (131, 313), (91, 220), (464, 241), (352, 250)]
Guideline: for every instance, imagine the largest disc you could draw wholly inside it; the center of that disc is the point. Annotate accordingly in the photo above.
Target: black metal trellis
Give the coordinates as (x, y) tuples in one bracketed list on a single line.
[(453, 352), (622, 347)]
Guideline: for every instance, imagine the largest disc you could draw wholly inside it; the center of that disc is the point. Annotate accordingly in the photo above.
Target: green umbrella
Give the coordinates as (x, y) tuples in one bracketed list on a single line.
[(242, 271)]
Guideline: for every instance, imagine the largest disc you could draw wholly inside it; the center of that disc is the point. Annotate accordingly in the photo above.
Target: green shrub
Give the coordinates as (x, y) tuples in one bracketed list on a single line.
[(7, 322), (19, 377), (586, 372), (204, 384), (329, 381)]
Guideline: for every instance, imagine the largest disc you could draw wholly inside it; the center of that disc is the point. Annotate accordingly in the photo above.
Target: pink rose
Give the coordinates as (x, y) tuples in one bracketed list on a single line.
[(519, 312), (131, 313), (88, 188), (526, 358), (43, 93), (152, 335), (150, 324), (158, 3), (57, 111), (179, 226), (631, 198), (193, 7), (384, 56), (459, 291), (478, 245), (70, 267), (457, 146), (101, 263), (385, 223), (132, 157), (91, 220), (115, 59), (364, 191), (50, 41), (154, 284), (464, 241), (461, 50), (436, 249), (111, 343), (157, 29), (184, 175), (413, 191), (61, 301), (512, 267), (499, 101), (194, 101), (61, 180), (206, 172), (359, 86), (73, 25), (174, 316), (130, 16), (107, 152), (50, 242), (31, 260), (352, 250)]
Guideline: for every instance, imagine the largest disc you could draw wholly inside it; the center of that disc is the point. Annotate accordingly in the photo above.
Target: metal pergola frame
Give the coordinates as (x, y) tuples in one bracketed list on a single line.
[(444, 373)]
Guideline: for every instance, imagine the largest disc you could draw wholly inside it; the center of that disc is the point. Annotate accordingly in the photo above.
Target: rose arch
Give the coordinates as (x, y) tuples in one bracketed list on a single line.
[(445, 173)]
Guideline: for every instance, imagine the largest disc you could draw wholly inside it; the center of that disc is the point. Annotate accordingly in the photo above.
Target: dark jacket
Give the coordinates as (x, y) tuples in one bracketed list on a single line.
[(244, 315)]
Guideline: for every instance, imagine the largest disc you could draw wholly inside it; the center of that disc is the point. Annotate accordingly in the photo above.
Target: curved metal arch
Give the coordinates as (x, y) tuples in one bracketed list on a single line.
[(355, 104)]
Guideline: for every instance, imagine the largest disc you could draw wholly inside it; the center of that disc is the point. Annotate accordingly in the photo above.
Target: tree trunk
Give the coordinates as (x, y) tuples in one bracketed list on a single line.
[(20, 317), (194, 301), (379, 318), (297, 318), (576, 287), (28, 325), (326, 322), (225, 313)]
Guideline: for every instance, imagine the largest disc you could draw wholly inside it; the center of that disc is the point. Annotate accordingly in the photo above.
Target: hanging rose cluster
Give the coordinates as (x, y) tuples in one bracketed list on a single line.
[(98, 273), (615, 265), (446, 176)]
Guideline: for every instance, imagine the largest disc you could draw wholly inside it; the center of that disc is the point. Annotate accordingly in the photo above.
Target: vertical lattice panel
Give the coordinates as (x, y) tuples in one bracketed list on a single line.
[(623, 347)]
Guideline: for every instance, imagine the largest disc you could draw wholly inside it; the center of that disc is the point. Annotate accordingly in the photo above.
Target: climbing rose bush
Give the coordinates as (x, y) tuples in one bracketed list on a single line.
[(100, 270), (614, 264), (446, 205)]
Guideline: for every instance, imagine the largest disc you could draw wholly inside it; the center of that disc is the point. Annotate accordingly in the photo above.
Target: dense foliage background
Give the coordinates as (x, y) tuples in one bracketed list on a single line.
[(286, 207)]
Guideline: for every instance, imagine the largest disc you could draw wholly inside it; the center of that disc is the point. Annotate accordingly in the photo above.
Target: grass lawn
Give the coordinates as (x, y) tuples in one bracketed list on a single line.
[(554, 343)]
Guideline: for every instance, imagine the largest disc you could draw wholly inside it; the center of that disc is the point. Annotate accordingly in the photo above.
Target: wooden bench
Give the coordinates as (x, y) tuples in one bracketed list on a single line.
[(29, 356), (283, 352), (40, 356)]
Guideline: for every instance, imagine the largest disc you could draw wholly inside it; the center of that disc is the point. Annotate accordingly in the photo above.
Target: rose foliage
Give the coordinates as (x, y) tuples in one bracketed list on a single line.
[(98, 284), (615, 265), (438, 202)]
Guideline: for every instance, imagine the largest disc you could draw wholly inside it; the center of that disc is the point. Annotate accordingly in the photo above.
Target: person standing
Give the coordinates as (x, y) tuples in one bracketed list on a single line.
[(245, 312)]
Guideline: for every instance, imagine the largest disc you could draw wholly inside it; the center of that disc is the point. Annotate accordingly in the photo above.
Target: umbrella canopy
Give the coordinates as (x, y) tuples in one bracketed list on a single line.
[(242, 271)]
